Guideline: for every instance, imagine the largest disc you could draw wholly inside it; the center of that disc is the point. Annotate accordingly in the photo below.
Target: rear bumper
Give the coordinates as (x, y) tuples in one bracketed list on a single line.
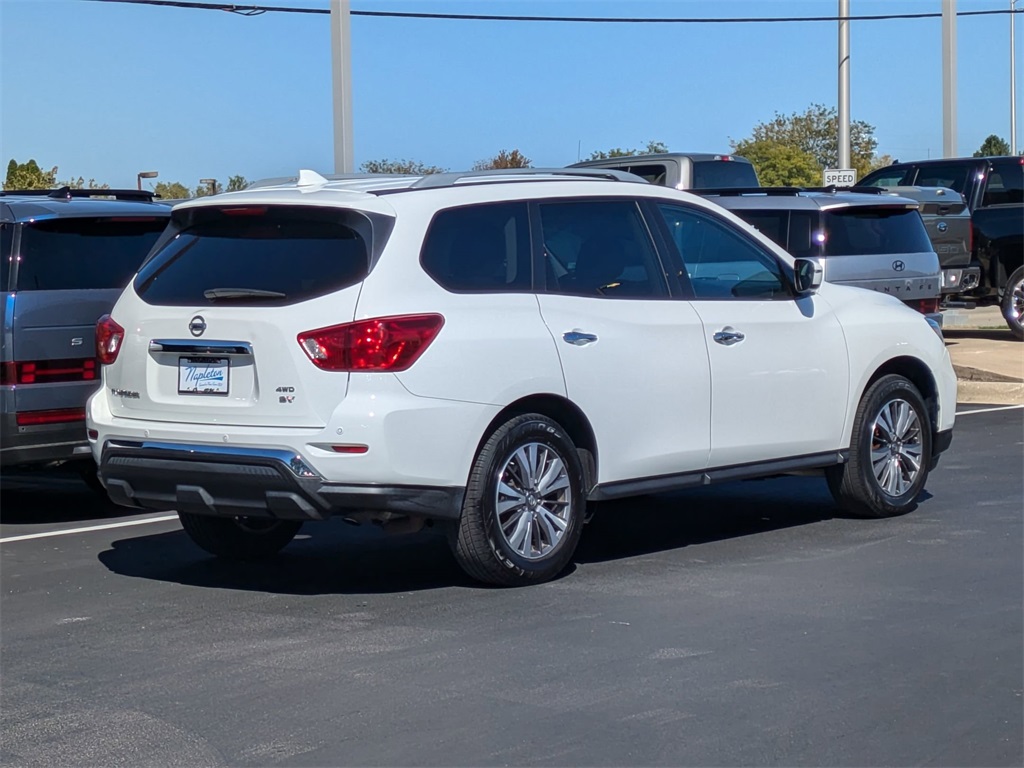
[(41, 444), (254, 482)]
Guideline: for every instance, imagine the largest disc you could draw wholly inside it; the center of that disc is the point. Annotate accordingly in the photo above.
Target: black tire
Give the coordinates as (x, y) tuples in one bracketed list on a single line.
[(1013, 303), (524, 543), (239, 538), (856, 485)]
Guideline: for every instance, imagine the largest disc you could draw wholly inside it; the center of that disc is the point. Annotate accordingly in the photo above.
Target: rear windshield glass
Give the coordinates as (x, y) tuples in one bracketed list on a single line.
[(869, 231), (78, 253), (711, 174), (257, 256)]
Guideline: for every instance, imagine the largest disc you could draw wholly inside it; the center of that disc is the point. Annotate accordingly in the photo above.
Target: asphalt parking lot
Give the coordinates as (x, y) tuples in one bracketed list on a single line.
[(740, 624)]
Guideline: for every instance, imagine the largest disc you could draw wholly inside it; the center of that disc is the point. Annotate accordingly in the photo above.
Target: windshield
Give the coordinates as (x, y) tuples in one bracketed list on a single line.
[(257, 255), (76, 253)]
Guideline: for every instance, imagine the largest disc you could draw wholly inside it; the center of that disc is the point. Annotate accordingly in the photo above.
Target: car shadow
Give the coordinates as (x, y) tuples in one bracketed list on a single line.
[(52, 495), (336, 558)]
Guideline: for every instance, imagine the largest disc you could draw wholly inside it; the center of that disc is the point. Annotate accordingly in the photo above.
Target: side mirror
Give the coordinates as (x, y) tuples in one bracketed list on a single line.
[(807, 275)]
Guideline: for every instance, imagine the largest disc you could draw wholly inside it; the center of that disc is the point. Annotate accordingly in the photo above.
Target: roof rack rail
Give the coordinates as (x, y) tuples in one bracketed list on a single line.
[(435, 180), (728, 191), (66, 193), (856, 189)]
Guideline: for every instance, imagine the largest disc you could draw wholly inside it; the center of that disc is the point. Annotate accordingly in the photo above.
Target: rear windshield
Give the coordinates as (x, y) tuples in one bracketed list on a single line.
[(257, 256), (712, 174), (868, 231), (79, 253)]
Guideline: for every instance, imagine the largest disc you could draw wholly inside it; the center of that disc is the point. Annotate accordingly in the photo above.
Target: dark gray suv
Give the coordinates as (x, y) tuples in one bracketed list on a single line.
[(65, 256)]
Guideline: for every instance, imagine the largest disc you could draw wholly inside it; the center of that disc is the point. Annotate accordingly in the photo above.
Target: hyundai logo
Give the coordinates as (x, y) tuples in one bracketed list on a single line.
[(898, 266), (942, 226), (197, 326)]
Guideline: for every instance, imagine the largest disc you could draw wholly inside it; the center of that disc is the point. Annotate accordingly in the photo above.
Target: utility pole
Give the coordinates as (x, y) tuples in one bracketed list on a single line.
[(341, 80), (844, 84), (949, 78), (1013, 83)]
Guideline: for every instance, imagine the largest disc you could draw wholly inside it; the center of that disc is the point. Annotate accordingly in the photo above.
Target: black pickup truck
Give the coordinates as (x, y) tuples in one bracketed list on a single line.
[(993, 188)]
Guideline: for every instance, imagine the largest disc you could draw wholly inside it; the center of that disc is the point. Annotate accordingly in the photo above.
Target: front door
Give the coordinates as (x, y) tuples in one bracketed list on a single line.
[(779, 367)]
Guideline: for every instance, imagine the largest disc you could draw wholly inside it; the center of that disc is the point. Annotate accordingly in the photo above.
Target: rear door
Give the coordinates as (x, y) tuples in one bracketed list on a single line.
[(213, 319), (633, 356), (70, 271)]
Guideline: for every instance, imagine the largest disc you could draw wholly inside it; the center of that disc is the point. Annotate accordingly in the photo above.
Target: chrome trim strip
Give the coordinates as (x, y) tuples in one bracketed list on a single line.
[(203, 347), (296, 463)]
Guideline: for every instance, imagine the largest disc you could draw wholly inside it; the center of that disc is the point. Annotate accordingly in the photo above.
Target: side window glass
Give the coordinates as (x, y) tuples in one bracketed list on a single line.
[(721, 263), (887, 178), (656, 173), (952, 176), (6, 238), (1005, 183), (599, 248), (480, 249)]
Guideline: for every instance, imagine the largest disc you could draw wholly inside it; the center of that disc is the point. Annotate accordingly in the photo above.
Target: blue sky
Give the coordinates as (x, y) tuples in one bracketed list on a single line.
[(105, 90)]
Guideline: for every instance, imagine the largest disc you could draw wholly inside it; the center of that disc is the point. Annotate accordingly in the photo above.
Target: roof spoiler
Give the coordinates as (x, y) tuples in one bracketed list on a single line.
[(66, 193)]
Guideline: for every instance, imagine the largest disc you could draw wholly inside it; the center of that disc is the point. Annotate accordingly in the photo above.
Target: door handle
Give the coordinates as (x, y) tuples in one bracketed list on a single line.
[(579, 338), (728, 336)]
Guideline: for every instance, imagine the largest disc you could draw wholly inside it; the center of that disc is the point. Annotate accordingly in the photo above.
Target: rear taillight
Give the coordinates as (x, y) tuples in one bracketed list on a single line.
[(61, 416), (925, 306), (380, 344), (48, 371), (109, 336)]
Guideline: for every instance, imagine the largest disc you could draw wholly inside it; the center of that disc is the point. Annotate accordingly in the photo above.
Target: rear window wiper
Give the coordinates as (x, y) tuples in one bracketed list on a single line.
[(242, 293)]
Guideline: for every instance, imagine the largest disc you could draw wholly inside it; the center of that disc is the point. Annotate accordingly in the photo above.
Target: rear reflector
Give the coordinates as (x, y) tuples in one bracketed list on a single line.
[(925, 306), (109, 336), (350, 448), (380, 344), (64, 415), (93, 434)]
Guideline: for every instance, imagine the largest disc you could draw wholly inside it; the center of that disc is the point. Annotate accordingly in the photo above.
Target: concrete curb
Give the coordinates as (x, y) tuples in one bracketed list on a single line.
[(990, 392)]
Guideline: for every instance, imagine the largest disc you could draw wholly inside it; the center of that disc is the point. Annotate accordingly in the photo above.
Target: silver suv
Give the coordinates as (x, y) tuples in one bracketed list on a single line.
[(868, 240), (683, 170), (64, 259)]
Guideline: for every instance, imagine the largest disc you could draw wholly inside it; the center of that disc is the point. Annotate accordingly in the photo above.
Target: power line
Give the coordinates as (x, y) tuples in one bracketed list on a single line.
[(256, 10)]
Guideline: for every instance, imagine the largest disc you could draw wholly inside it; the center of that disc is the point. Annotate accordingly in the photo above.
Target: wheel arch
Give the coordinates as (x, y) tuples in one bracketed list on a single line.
[(919, 374), (568, 415)]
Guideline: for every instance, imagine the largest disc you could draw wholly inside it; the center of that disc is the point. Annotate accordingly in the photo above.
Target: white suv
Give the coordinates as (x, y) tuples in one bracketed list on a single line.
[(494, 352)]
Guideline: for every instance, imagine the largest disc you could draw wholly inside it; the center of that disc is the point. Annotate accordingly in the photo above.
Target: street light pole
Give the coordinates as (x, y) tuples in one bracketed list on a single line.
[(949, 78), (144, 175), (844, 84), (1013, 83), (341, 78)]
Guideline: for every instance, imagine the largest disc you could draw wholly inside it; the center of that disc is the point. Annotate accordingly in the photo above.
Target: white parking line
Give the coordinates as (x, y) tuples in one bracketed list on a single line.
[(990, 410), (69, 531)]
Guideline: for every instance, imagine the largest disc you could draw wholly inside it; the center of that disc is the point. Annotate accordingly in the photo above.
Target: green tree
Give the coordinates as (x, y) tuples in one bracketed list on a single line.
[(171, 190), (236, 183), (651, 148), (780, 165), (81, 183), (993, 146), (411, 167), (29, 176), (205, 190), (504, 159), (815, 131)]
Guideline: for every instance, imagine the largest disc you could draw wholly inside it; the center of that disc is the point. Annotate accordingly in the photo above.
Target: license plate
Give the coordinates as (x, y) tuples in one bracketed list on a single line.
[(203, 375)]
